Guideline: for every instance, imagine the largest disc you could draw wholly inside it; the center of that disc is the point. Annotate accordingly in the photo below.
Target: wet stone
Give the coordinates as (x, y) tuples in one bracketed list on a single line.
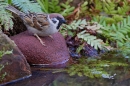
[(13, 65)]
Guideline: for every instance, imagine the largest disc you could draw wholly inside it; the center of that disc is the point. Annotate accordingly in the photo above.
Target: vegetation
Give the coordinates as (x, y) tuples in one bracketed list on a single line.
[(26, 5), (5, 18), (117, 32), (2, 53), (80, 29), (93, 68), (54, 6), (4, 74), (103, 25), (49, 7)]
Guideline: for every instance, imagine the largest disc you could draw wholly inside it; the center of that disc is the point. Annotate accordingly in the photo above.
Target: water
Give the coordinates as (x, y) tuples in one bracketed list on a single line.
[(45, 77)]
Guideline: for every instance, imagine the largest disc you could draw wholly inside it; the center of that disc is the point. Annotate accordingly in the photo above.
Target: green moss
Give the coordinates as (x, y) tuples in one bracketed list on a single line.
[(2, 76), (3, 52)]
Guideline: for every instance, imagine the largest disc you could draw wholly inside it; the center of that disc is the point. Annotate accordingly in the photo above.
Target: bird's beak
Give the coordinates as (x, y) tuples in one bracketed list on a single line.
[(64, 21)]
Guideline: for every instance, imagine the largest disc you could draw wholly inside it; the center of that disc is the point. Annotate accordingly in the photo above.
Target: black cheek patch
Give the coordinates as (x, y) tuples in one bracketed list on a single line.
[(61, 21)]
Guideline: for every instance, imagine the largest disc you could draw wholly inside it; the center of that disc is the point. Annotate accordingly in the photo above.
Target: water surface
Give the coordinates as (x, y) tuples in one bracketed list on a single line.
[(41, 77)]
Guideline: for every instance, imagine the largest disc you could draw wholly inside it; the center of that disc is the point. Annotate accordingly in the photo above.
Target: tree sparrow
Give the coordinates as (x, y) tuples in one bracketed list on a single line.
[(40, 24)]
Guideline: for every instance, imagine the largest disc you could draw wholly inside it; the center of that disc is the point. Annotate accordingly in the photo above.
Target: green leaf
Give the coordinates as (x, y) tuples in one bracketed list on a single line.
[(3, 52), (5, 17), (26, 5), (92, 40), (9, 1), (79, 48), (114, 27)]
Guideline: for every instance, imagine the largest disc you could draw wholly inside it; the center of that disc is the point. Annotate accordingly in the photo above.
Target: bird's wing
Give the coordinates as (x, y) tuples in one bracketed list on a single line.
[(27, 18), (36, 24), (37, 20), (40, 21), (14, 10)]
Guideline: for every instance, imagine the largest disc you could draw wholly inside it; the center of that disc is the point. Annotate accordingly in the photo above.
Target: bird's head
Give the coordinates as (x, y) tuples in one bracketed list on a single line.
[(57, 17)]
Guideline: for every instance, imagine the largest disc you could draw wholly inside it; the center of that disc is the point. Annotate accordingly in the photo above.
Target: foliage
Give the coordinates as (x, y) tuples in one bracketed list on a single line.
[(50, 6), (81, 10), (5, 17), (1, 67), (82, 25), (54, 6), (115, 21), (93, 68), (115, 28), (110, 7), (109, 20), (4, 74), (116, 32), (84, 7), (75, 25), (3, 52), (67, 8), (112, 10), (125, 49), (90, 39), (26, 5), (9, 1)]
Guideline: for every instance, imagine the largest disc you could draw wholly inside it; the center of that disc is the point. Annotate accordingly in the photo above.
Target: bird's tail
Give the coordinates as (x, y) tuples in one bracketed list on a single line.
[(14, 10)]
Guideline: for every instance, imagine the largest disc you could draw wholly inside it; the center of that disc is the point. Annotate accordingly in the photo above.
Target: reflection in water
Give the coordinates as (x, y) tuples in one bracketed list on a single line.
[(65, 80), (39, 78), (47, 78)]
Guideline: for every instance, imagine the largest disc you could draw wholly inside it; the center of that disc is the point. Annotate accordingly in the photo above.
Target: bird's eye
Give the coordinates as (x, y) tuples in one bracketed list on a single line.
[(53, 21)]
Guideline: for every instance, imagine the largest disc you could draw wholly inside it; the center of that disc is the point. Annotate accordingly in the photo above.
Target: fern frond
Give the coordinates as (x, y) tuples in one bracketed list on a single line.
[(109, 7), (67, 9), (26, 5), (75, 25), (98, 5), (90, 39), (117, 32), (9, 1), (84, 35), (44, 5), (5, 17), (54, 6)]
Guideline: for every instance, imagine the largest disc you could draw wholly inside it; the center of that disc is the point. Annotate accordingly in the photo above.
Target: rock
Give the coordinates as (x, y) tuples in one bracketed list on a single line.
[(54, 53), (39, 78), (13, 64)]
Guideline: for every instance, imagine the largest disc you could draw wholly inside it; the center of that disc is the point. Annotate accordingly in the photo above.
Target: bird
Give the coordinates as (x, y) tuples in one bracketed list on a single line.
[(39, 24)]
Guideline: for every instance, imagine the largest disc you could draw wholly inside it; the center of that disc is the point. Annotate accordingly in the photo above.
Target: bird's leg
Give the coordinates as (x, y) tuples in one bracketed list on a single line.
[(43, 43), (51, 36)]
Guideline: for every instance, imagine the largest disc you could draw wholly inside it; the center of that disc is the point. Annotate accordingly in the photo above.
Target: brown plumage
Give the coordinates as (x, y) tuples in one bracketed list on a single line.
[(39, 24)]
